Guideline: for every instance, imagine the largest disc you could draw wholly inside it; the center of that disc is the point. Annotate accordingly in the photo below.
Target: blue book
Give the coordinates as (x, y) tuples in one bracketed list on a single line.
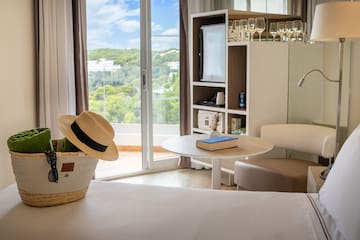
[(218, 139), (217, 143)]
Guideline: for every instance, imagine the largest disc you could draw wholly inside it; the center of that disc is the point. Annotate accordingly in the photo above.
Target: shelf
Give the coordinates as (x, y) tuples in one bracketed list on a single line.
[(237, 111), (198, 130), (235, 44), (209, 84), (215, 109), (251, 67)]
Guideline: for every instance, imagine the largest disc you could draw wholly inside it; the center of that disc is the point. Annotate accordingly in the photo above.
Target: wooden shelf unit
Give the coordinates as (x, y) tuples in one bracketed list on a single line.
[(257, 68)]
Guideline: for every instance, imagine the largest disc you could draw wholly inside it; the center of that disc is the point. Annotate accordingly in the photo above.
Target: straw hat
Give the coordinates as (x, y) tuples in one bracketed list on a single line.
[(91, 133)]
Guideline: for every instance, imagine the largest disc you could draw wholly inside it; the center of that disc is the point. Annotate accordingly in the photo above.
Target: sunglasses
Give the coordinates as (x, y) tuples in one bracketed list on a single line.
[(53, 173)]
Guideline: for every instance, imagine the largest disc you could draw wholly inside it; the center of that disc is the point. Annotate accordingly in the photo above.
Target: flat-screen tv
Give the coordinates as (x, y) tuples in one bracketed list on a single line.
[(212, 53)]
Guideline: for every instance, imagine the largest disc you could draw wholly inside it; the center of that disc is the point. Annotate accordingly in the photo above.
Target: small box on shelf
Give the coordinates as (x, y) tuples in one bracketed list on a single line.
[(238, 125), (206, 120)]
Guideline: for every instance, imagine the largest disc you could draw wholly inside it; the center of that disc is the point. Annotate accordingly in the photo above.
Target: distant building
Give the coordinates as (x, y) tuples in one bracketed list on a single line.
[(169, 52), (102, 65), (173, 65)]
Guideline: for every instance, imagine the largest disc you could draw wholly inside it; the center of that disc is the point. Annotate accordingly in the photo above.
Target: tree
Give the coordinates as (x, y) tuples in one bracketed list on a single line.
[(116, 94)]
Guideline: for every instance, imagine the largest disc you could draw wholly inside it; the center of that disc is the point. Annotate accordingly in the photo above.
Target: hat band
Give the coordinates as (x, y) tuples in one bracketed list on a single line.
[(84, 138)]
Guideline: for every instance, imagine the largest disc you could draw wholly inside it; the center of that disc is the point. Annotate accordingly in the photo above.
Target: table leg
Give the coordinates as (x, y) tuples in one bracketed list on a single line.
[(216, 174)]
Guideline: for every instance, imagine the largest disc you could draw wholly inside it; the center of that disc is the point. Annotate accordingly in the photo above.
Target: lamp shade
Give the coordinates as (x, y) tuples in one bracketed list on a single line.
[(335, 20)]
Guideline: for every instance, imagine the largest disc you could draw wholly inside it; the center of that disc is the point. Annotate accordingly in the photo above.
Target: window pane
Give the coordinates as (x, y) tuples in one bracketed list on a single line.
[(165, 69), (240, 5), (277, 6), (258, 6), (269, 6), (113, 37)]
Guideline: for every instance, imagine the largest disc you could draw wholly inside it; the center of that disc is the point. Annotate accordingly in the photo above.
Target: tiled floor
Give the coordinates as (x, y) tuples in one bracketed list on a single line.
[(130, 162), (191, 178)]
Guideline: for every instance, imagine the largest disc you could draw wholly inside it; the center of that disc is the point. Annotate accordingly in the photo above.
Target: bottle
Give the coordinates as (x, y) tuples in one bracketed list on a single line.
[(242, 100)]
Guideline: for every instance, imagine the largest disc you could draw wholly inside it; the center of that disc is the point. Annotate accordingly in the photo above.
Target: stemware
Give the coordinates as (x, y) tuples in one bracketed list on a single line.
[(281, 30), (304, 32), (244, 29), (251, 28), (230, 31), (297, 28), (273, 30), (288, 30), (237, 30), (259, 26)]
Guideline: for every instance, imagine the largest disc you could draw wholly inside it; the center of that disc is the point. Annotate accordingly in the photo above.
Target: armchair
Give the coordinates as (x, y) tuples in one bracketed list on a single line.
[(285, 174)]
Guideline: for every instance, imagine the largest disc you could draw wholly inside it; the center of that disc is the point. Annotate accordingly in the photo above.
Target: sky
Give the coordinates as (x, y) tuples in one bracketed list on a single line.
[(116, 23)]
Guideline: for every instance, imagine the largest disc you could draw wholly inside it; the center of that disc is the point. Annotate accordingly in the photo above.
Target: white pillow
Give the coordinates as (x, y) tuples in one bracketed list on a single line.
[(340, 195)]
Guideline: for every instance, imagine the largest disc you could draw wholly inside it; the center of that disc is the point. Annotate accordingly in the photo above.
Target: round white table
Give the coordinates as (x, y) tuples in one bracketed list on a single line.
[(186, 146)]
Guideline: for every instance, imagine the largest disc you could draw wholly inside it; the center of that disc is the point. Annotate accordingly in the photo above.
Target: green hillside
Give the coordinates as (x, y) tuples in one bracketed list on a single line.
[(131, 56), (116, 94)]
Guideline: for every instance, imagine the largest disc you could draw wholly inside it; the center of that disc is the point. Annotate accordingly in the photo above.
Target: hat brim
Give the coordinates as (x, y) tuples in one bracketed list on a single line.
[(64, 122)]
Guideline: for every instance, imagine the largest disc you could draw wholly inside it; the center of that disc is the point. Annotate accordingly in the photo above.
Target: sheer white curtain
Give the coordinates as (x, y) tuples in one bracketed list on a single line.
[(56, 63)]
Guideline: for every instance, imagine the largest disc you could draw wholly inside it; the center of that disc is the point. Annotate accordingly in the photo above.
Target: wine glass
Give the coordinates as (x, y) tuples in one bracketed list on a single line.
[(244, 29), (237, 30), (303, 32), (230, 31), (251, 28), (273, 30), (281, 30), (288, 30), (297, 28), (259, 26)]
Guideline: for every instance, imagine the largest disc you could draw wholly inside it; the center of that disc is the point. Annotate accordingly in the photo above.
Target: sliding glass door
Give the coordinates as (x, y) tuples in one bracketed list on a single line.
[(164, 44), (133, 63)]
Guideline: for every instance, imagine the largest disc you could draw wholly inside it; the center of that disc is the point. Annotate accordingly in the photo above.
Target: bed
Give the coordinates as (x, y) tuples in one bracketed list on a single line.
[(127, 211)]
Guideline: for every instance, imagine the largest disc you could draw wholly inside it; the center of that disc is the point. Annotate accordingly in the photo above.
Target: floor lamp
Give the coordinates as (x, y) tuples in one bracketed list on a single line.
[(335, 22)]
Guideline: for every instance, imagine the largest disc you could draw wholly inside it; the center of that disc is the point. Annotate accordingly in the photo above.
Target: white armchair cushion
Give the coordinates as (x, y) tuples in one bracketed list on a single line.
[(340, 194), (307, 138)]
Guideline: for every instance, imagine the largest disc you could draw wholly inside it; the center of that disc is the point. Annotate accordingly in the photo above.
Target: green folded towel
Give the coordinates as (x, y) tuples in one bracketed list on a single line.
[(64, 145), (31, 141)]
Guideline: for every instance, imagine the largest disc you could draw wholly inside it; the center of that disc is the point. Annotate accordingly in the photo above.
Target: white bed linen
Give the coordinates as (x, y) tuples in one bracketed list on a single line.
[(128, 211)]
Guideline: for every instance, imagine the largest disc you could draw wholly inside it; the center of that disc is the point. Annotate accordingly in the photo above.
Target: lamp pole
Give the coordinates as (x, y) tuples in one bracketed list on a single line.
[(341, 60), (339, 81)]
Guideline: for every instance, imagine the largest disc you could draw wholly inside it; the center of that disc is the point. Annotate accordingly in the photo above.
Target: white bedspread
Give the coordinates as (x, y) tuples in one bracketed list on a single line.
[(126, 211)]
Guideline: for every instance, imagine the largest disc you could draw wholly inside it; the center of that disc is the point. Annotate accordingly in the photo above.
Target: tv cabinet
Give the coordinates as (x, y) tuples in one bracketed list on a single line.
[(258, 69)]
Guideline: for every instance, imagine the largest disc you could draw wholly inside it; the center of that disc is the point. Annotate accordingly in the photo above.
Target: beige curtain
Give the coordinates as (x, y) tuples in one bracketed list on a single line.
[(299, 8), (61, 82), (80, 55), (200, 6), (184, 78)]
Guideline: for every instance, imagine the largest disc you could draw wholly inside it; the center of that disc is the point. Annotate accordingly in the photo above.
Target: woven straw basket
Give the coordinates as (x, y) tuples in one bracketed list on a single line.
[(31, 171)]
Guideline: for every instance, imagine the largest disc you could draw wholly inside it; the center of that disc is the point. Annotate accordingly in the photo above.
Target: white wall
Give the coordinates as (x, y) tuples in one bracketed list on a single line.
[(305, 103), (354, 108), (17, 67), (351, 71)]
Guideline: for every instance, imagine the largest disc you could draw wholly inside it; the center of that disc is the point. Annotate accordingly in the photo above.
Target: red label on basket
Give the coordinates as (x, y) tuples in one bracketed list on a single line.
[(67, 167)]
